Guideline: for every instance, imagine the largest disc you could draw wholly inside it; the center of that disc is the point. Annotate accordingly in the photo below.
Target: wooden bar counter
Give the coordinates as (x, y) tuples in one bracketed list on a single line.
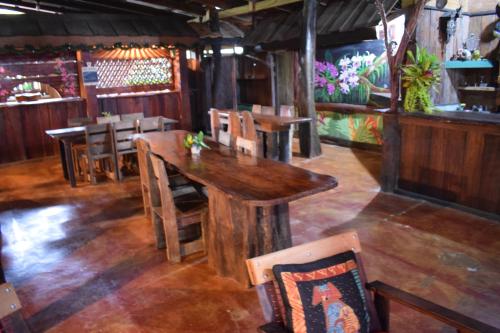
[(452, 156), (23, 126)]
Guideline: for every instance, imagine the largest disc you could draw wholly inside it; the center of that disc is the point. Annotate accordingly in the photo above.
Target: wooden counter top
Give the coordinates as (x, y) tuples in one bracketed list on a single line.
[(469, 118), (41, 101)]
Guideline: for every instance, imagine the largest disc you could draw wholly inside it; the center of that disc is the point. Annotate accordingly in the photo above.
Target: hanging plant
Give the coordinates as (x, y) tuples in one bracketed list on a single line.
[(419, 76)]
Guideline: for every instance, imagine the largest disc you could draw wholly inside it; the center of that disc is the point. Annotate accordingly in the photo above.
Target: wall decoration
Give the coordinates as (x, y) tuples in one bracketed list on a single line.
[(350, 74), (358, 127)]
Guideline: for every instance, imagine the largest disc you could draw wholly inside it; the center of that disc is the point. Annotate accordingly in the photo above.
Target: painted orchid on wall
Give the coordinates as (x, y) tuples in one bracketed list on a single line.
[(351, 76)]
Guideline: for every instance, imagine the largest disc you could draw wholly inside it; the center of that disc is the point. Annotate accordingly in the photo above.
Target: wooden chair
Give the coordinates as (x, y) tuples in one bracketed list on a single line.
[(246, 146), (143, 150), (123, 142), (178, 221), (108, 120), (256, 108), (234, 127), (217, 128), (268, 110), (79, 121), (132, 116), (150, 124), (250, 132), (99, 148), (176, 180), (261, 275)]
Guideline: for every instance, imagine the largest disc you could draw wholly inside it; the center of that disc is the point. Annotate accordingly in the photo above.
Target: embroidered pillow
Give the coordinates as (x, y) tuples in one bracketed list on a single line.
[(324, 296)]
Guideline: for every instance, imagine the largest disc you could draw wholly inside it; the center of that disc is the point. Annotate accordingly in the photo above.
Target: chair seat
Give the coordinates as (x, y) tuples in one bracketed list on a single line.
[(189, 207)]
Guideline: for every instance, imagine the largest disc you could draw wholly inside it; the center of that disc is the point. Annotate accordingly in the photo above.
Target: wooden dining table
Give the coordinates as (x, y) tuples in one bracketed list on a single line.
[(248, 198), (68, 136), (276, 130)]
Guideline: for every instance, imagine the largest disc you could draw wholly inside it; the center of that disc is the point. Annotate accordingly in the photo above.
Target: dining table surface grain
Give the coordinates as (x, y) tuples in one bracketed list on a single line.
[(253, 180)]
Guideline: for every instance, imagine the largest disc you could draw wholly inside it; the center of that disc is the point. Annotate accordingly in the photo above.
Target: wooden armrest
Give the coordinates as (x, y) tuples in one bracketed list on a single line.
[(447, 316), (273, 328)]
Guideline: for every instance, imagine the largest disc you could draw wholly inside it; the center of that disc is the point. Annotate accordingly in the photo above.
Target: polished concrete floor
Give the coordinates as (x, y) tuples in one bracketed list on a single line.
[(84, 260)]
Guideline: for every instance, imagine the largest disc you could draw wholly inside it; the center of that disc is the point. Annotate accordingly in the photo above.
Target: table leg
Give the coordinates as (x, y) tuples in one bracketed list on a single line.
[(237, 231), (62, 154), (272, 148), (285, 148), (69, 163)]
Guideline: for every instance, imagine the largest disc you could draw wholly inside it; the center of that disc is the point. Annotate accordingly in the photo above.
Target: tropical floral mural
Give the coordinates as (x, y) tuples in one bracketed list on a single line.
[(364, 128), (350, 74)]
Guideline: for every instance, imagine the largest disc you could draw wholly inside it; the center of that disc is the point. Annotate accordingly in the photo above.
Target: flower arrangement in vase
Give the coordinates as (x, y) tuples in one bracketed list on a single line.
[(195, 143)]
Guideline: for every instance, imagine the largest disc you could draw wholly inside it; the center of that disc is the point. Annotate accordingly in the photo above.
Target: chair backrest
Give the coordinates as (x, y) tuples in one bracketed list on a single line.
[(286, 110), (268, 110), (234, 127), (74, 122), (215, 125), (246, 146), (260, 268), (143, 150), (151, 124), (122, 136), (132, 116), (159, 174), (256, 108), (108, 120), (224, 138), (248, 126), (99, 139), (261, 274)]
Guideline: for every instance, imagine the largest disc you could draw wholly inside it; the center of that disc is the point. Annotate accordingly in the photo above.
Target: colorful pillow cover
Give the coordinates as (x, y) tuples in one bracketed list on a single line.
[(325, 296)]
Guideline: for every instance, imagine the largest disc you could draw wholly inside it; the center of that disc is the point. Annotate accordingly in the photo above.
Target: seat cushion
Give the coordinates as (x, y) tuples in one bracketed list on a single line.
[(324, 296)]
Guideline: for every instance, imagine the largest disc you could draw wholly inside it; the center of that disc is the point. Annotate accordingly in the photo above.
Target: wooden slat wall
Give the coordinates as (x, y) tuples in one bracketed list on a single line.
[(427, 36), (454, 162), (22, 129), (167, 105)]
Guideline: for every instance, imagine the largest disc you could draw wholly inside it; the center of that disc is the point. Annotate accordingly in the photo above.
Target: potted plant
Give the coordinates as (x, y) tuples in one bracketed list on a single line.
[(195, 143), (419, 76)]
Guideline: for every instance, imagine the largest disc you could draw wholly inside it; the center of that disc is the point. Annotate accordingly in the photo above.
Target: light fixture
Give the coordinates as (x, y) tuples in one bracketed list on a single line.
[(29, 8), (4, 11), (238, 50)]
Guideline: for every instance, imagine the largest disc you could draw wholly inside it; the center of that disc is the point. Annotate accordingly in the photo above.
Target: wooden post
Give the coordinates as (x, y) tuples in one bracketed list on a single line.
[(89, 93), (309, 140), (185, 92), (217, 84), (271, 63), (392, 133)]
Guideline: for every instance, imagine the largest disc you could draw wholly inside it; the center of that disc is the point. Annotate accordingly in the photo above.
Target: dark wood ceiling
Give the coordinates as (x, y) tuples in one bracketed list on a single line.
[(138, 7)]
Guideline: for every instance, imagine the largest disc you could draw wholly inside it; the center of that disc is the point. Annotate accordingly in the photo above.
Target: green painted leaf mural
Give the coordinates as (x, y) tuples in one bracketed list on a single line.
[(362, 128)]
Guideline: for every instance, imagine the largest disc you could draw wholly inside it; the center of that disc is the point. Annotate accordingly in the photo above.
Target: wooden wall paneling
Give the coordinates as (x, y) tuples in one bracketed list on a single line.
[(474, 149), (406, 176), (284, 66), (453, 164), (489, 178), (11, 130)]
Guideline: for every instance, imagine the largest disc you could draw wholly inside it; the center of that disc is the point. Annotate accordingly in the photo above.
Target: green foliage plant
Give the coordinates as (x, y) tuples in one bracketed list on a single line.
[(420, 75), (195, 140)]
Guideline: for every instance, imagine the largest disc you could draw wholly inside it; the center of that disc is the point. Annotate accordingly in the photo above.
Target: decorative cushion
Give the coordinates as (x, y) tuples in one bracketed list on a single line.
[(324, 296)]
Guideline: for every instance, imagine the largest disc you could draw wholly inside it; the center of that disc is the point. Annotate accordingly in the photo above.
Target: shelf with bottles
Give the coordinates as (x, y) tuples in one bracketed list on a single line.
[(478, 89)]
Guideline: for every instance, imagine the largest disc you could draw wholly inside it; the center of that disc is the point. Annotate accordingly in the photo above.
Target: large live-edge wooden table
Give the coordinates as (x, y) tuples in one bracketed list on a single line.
[(248, 198), (277, 133), (70, 135)]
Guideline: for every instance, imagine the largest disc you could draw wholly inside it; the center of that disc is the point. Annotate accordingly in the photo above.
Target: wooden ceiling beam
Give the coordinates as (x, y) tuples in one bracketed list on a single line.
[(185, 8), (259, 5)]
